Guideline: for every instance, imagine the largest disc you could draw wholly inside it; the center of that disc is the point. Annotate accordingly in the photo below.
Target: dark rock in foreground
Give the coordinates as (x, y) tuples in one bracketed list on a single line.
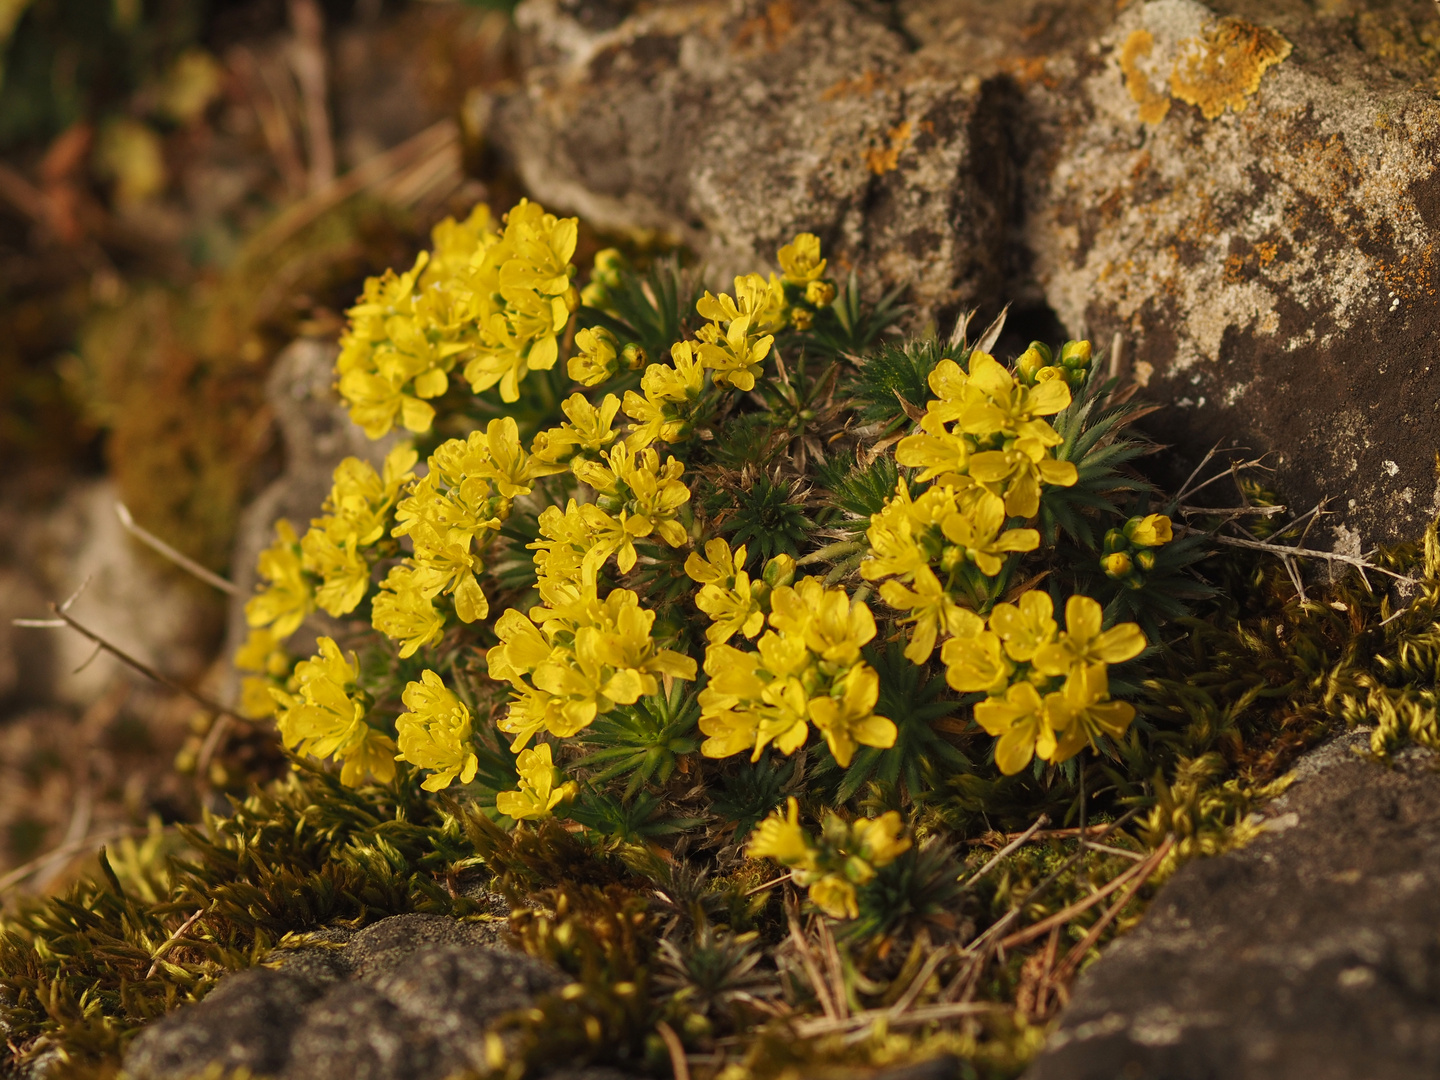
[(1312, 954), (407, 998)]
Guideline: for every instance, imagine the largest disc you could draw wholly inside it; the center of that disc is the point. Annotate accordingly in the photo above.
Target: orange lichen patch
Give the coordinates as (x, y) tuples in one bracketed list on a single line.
[(864, 84), (1027, 70), (769, 29), (1153, 104), (1222, 68), (881, 160)]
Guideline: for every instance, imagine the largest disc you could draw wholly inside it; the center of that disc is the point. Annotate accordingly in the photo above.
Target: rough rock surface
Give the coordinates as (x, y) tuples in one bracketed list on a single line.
[(1312, 953), (406, 998), (1251, 204)]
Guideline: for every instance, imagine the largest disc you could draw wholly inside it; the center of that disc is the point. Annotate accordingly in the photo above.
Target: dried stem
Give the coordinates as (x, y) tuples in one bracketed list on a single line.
[(1019, 841), (1285, 551), (1141, 874), (66, 619), (189, 565), (676, 1048)]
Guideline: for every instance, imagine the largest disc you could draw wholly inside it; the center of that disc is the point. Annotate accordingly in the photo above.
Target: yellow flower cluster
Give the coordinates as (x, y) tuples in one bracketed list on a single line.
[(450, 515), (1048, 690), (807, 667), (741, 330), (576, 659), (325, 717), (986, 449), (847, 854), (496, 300), (987, 430), (540, 790), (1128, 553), (328, 568), (435, 733), (803, 279)]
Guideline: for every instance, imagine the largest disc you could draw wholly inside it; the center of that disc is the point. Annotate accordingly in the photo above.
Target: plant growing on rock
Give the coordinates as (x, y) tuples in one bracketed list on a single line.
[(710, 552), (726, 634)]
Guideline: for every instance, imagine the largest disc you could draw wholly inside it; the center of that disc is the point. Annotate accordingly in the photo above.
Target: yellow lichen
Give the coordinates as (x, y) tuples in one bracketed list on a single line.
[(1153, 106), (1222, 68), (881, 160)]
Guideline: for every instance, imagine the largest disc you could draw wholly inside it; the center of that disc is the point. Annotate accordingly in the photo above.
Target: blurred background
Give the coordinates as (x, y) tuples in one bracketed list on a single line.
[(188, 189)]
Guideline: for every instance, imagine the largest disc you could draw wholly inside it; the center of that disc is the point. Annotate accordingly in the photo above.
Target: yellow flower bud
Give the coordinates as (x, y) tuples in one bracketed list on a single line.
[(1150, 531), (1117, 565), (780, 571), (1075, 354), (819, 293)]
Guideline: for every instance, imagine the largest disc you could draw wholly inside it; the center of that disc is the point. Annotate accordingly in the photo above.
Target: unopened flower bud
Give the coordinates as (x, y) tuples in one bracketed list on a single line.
[(1075, 354), (1032, 360), (779, 571), (1117, 565), (1150, 531), (819, 293), (634, 357)]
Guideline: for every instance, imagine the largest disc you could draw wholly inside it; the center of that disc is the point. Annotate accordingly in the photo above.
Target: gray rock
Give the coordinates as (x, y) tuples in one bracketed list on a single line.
[(359, 1034), (733, 130), (408, 997), (1312, 953), (382, 946), (1265, 254), (247, 1021)]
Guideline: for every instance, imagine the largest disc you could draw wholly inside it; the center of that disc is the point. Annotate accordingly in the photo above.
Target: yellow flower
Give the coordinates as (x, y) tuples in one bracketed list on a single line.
[(977, 664), (1021, 470), (361, 499), (286, 598), (938, 453), (539, 792), (1150, 531), (325, 718), (832, 625), (255, 701), (728, 732), (1117, 564), (800, 260), (1008, 404), (818, 293), (1027, 627), (718, 566), (849, 721), (895, 549), (403, 613), (435, 733), (345, 573), (1083, 642), (781, 838), (835, 896), (597, 357), (587, 433), (931, 611), (979, 528), (1019, 721), (1082, 711), (670, 392), (878, 839), (726, 596), (735, 350), (263, 652)]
